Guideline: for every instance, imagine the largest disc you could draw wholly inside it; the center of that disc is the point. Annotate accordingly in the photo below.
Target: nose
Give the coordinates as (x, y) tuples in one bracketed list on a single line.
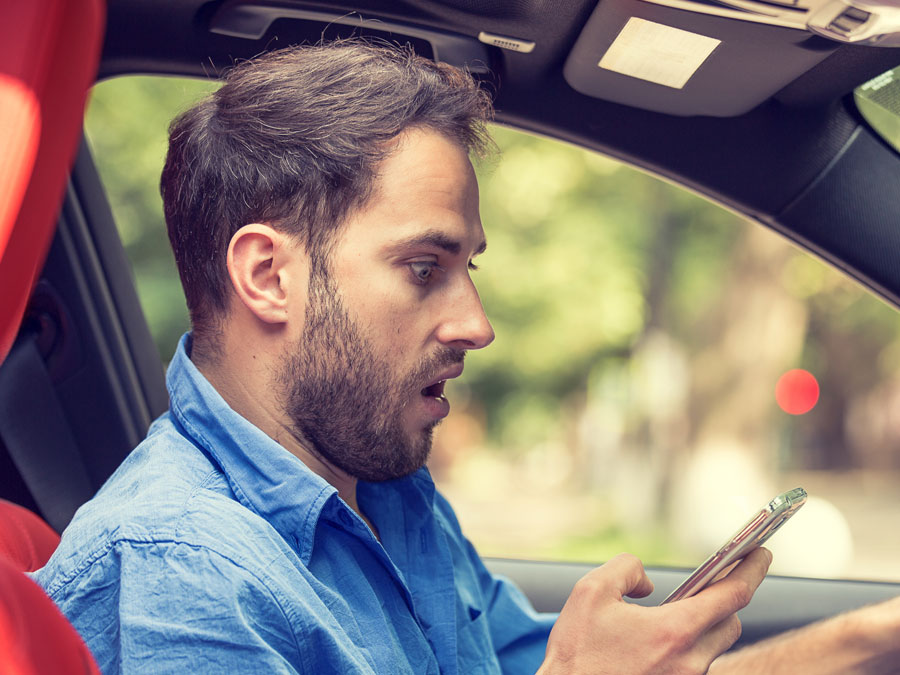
[(465, 325)]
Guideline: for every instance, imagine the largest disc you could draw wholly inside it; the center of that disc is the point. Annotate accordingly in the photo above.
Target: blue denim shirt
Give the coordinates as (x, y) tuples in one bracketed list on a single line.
[(213, 549)]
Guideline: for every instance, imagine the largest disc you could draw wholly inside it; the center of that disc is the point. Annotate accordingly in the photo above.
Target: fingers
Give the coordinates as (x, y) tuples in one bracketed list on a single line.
[(726, 596), (598, 632), (713, 610), (622, 576), (719, 639), (628, 573)]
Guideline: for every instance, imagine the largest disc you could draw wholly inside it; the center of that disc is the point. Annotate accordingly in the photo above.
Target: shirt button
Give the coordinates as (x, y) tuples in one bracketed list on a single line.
[(345, 518)]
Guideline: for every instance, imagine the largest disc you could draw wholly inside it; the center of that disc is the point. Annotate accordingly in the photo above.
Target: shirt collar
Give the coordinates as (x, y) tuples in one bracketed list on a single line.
[(263, 475)]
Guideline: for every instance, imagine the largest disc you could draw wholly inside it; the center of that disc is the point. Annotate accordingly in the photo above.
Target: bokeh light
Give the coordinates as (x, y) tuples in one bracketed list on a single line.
[(797, 391)]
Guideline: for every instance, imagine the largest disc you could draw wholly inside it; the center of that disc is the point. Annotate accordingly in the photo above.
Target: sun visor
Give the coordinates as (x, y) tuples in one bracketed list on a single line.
[(683, 62)]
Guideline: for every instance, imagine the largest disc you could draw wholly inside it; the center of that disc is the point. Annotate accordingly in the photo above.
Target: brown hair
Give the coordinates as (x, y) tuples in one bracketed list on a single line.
[(293, 139)]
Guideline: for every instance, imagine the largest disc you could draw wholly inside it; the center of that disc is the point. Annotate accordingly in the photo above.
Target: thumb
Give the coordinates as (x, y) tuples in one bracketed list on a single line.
[(630, 578)]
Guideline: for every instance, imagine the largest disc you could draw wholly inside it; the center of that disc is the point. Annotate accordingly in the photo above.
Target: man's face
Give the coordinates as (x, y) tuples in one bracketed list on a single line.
[(391, 315)]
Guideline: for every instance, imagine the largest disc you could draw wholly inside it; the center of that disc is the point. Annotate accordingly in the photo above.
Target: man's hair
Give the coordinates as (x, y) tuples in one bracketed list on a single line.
[(293, 139)]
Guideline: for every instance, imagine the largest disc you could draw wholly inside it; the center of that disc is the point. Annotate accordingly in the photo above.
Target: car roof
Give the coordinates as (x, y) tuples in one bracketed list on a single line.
[(765, 126)]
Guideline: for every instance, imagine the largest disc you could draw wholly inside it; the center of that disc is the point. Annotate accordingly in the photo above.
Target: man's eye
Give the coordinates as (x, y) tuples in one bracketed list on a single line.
[(423, 271)]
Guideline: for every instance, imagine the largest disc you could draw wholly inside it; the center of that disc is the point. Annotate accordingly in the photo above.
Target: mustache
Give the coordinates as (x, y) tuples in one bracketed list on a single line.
[(432, 365)]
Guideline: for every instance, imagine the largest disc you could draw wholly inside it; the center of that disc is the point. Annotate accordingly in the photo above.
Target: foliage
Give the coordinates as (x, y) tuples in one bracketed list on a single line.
[(635, 321), (585, 257), (126, 125)]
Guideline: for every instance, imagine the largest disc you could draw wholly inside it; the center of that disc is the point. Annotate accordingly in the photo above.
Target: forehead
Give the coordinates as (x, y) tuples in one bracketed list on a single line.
[(426, 185)]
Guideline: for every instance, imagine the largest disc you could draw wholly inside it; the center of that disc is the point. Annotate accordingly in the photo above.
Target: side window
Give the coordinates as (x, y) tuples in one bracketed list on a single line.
[(661, 369), (126, 126)]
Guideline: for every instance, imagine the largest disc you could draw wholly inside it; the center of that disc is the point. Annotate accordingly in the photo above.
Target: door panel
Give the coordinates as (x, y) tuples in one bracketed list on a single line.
[(780, 604)]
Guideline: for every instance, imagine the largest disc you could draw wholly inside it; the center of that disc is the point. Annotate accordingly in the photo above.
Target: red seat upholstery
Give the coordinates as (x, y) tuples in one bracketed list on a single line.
[(35, 638), (49, 51), (26, 541), (34, 635)]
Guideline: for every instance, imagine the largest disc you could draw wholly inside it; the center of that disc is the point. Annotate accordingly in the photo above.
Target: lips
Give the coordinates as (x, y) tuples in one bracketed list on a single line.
[(433, 393), (435, 388)]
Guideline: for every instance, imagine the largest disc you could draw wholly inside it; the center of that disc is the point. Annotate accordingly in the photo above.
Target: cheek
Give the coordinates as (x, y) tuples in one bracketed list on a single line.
[(395, 323), (387, 332), (396, 317), (397, 336)]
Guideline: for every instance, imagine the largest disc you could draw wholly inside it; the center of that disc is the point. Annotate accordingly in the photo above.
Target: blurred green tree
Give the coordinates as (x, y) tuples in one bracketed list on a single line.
[(586, 259), (126, 125)]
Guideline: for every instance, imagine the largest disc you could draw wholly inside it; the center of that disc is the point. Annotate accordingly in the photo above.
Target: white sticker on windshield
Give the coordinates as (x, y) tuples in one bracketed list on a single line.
[(657, 53)]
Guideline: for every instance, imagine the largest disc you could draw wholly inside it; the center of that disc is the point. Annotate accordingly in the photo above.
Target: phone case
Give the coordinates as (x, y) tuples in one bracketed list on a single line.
[(752, 535)]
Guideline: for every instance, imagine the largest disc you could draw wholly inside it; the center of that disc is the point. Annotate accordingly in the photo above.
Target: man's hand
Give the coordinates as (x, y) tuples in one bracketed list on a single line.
[(599, 632)]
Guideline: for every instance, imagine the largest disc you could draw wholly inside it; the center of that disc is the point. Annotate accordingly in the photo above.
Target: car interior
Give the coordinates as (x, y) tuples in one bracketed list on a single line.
[(748, 103)]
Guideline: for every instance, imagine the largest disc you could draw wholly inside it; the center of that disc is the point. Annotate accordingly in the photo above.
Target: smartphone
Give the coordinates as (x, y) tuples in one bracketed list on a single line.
[(751, 536)]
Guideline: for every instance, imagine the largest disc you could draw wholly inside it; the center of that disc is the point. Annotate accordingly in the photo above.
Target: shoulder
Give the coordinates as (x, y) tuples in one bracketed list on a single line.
[(166, 499), (207, 570), (154, 606)]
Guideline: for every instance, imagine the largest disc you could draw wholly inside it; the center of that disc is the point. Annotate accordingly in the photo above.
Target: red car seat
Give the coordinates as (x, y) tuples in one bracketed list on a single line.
[(49, 50), (35, 638), (26, 541), (34, 635)]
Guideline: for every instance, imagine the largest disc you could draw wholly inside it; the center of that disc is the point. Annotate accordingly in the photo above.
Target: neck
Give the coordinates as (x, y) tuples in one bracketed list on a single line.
[(241, 377)]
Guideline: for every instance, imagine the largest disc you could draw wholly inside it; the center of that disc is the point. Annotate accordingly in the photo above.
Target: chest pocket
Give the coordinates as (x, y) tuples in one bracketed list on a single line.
[(475, 649)]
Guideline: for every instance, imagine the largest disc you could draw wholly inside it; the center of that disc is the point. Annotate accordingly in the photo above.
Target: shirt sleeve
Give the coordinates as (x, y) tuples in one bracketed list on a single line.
[(177, 608)]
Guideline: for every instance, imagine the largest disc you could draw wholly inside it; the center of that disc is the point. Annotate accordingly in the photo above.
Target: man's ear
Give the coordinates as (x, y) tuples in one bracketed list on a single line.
[(258, 262)]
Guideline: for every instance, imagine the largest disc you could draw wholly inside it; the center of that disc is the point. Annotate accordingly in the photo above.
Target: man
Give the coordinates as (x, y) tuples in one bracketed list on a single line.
[(324, 216)]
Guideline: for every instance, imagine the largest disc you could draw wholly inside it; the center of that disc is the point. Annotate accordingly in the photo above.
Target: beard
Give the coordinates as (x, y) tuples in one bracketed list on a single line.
[(345, 403)]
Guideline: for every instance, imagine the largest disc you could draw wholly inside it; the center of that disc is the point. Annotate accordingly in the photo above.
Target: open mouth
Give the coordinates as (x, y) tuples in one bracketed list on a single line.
[(435, 390)]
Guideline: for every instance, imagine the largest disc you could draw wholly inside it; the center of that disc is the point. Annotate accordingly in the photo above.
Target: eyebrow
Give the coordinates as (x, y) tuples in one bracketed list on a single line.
[(439, 240)]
